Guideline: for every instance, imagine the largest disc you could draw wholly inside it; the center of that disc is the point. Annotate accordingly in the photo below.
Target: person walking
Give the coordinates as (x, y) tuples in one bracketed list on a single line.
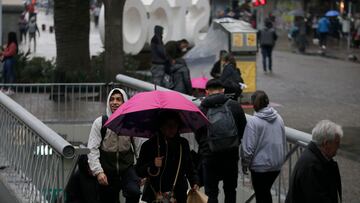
[(219, 143), (32, 29), (7, 56), (267, 40), (23, 26), (263, 147), (111, 158), (323, 31), (160, 69), (165, 161), (316, 176)]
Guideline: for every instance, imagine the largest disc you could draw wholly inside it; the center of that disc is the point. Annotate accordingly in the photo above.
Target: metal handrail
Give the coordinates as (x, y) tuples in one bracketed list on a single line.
[(62, 146), (36, 161)]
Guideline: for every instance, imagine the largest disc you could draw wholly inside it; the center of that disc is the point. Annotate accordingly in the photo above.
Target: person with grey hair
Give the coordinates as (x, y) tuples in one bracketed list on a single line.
[(316, 176)]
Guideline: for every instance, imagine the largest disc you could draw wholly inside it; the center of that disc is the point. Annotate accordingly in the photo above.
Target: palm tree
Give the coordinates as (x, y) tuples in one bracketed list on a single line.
[(114, 53), (72, 26)]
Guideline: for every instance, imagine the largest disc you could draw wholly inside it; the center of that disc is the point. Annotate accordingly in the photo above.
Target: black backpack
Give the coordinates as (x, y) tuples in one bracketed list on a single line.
[(222, 131)]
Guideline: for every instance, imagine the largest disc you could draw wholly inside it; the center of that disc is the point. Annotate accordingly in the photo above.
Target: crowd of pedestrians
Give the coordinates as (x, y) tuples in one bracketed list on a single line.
[(165, 166)]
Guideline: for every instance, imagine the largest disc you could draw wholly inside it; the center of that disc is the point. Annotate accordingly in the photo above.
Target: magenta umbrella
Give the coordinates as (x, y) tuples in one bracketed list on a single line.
[(199, 83), (138, 116)]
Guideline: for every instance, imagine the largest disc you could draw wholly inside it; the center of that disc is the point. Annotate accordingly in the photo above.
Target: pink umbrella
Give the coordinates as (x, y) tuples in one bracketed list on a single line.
[(138, 116), (199, 83)]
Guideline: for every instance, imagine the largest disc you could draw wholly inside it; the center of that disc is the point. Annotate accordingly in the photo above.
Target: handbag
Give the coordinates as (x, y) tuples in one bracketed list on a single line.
[(196, 197)]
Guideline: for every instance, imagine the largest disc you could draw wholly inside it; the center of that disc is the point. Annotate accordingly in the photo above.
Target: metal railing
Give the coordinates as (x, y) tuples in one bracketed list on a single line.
[(296, 139), (61, 102), (36, 162)]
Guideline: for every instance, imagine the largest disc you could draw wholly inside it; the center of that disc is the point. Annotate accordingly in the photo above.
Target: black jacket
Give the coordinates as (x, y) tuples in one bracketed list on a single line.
[(314, 179), (231, 77), (182, 80), (158, 52), (239, 117), (167, 174), (216, 69)]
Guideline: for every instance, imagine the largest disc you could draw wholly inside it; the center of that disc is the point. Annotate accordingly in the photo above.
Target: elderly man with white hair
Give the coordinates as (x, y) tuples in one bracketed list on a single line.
[(316, 176)]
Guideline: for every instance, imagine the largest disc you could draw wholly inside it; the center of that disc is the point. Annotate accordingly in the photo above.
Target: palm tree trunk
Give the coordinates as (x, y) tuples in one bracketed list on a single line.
[(72, 26), (114, 53)]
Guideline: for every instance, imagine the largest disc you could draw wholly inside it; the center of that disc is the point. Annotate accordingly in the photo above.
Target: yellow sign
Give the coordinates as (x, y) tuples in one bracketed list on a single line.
[(251, 39), (248, 73), (238, 40)]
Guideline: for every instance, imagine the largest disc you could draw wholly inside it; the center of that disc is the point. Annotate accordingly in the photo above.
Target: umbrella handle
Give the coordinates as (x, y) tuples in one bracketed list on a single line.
[(153, 174), (158, 153)]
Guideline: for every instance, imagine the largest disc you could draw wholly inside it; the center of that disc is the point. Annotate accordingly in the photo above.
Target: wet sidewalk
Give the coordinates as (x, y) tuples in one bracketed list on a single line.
[(46, 43), (335, 49)]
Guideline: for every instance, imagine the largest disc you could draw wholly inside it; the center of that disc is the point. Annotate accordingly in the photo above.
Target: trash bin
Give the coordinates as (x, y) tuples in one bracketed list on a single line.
[(243, 44)]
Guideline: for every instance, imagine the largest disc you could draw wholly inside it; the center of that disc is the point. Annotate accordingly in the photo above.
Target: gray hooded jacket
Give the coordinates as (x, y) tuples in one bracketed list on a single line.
[(264, 142), (111, 143)]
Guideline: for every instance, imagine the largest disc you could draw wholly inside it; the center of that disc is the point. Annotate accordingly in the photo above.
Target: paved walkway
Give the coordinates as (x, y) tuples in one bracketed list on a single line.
[(335, 49), (46, 44)]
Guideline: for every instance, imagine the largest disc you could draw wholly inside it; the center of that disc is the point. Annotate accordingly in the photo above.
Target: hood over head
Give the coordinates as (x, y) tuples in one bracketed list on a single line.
[(124, 96), (268, 113), (158, 30)]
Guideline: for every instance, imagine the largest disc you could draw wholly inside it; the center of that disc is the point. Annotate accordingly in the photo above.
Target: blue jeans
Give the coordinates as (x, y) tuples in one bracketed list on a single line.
[(266, 52), (216, 169), (9, 73)]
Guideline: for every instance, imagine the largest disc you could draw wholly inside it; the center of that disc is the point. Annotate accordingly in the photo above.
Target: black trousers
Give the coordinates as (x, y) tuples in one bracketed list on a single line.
[(216, 169), (266, 52), (128, 183), (262, 183)]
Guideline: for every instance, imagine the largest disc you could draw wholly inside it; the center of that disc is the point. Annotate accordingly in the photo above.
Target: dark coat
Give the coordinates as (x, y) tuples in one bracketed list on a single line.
[(167, 174), (231, 77), (239, 117), (216, 69), (181, 77), (314, 178), (158, 52)]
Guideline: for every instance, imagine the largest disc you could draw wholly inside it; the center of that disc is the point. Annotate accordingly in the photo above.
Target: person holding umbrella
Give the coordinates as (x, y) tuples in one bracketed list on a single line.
[(166, 163), (111, 157)]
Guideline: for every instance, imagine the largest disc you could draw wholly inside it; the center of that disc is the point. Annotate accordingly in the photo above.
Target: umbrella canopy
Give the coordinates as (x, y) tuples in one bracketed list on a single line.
[(297, 12), (199, 83), (332, 13), (138, 116)]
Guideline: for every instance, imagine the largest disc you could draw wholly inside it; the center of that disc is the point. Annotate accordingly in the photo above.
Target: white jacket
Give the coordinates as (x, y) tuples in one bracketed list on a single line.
[(111, 143)]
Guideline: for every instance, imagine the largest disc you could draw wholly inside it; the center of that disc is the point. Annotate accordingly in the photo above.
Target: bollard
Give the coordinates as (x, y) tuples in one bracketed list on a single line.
[(43, 27), (51, 29)]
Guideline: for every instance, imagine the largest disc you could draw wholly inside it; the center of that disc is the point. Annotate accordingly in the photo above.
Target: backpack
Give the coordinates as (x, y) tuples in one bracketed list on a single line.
[(222, 131)]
